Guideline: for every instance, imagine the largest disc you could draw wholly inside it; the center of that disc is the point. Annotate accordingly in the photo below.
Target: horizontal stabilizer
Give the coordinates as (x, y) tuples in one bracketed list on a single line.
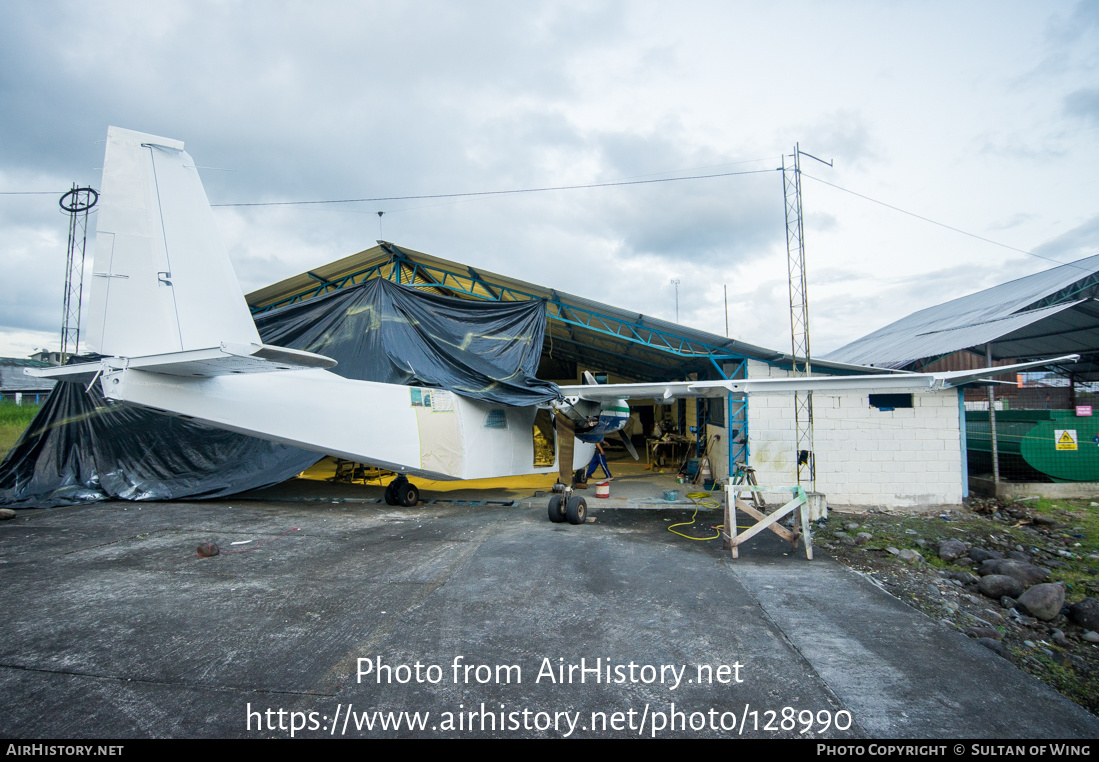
[(201, 363)]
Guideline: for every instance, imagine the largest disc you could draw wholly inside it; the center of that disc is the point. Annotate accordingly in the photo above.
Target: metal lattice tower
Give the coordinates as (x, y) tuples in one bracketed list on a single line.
[(78, 202), (799, 317)]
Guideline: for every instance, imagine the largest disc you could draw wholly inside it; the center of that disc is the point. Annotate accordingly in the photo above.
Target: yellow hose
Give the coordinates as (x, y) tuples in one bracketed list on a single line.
[(701, 500)]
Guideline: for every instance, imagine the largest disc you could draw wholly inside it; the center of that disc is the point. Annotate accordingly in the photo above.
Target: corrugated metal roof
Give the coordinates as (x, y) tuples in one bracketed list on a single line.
[(645, 347), (1047, 306), (23, 362), (13, 379)]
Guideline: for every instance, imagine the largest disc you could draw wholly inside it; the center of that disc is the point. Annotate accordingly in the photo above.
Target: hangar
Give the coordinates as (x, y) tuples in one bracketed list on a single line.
[(892, 450)]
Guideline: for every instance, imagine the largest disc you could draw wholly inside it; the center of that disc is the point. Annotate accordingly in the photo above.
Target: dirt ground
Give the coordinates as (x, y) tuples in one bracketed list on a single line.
[(1059, 535)]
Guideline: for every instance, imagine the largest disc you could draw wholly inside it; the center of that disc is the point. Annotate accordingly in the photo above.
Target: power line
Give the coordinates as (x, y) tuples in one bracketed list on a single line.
[(502, 192), (944, 225)]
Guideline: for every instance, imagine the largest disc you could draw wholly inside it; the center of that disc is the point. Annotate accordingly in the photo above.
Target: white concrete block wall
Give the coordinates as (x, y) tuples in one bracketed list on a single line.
[(865, 457), (719, 451)]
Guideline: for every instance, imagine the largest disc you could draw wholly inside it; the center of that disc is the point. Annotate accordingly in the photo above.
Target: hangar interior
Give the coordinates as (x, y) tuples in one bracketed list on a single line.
[(581, 335)]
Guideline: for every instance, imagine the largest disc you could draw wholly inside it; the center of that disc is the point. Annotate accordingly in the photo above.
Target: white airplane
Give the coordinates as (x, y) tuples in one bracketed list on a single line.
[(176, 336)]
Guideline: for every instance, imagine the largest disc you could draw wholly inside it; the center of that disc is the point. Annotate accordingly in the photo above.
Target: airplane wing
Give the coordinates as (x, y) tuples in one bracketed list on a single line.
[(898, 382)]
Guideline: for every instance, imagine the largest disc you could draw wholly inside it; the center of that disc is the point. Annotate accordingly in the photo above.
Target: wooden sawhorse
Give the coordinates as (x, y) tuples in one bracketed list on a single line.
[(799, 503)]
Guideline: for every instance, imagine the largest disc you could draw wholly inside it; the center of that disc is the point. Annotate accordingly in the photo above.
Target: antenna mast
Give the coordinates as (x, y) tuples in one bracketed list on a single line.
[(78, 202), (799, 314)]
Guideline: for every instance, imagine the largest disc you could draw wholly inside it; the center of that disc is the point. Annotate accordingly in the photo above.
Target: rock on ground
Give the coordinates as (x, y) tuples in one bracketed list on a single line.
[(966, 578), (952, 550), (1043, 601), (1085, 613), (996, 586), (1027, 574), (995, 646), (980, 554)]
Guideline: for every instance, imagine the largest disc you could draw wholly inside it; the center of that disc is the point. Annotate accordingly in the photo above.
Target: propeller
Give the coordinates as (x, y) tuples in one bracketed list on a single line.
[(566, 440), (629, 445), (590, 380)]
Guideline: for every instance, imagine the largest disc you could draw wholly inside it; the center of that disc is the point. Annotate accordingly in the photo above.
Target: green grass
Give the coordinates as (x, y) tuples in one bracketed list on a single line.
[(14, 419), (1064, 677)]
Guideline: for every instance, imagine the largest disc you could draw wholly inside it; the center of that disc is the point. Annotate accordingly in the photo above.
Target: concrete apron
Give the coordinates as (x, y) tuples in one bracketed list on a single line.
[(113, 627)]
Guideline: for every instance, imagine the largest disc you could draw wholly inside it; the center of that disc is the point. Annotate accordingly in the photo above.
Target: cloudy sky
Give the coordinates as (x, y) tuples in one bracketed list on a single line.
[(982, 116)]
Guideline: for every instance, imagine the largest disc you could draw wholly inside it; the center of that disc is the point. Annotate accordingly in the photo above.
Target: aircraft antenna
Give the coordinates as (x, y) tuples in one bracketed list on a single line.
[(78, 202)]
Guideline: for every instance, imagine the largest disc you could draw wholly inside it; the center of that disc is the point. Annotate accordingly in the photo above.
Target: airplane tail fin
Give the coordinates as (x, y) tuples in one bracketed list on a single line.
[(161, 280)]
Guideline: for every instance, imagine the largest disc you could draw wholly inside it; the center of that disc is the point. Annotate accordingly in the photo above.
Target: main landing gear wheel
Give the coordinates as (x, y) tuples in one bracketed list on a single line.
[(408, 495), (557, 509), (402, 492), (576, 511)]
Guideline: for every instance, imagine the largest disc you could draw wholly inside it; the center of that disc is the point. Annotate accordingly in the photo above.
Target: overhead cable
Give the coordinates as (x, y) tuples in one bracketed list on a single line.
[(948, 227), (502, 192)]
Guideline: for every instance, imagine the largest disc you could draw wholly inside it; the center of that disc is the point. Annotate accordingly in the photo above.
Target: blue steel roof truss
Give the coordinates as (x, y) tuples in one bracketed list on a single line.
[(417, 274)]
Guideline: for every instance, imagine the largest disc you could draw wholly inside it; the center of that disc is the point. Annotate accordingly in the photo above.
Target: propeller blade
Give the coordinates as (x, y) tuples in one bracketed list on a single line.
[(629, 445), (566, 440)]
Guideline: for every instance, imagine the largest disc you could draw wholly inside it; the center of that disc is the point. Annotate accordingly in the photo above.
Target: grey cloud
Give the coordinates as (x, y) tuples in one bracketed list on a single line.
[(33, 249), (359, 89), (1017, 146), (1077, 243), (820, 222), (842, 136), (829, 276), (839, 310), (1018, 218), (1083, 19), (1083, 104)]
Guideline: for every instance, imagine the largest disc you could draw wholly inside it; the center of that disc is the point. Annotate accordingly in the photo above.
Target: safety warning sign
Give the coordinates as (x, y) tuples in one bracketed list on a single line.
[(1065, 439)]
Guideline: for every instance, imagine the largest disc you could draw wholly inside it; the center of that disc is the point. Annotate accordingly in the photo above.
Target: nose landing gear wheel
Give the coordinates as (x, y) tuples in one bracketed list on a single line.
[(557, 509), (576, 511)]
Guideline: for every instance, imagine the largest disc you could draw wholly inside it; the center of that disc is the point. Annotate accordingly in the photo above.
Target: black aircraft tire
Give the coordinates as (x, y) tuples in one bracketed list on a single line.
[(408, 495), (391, 495), (557, 509), (577, 510)]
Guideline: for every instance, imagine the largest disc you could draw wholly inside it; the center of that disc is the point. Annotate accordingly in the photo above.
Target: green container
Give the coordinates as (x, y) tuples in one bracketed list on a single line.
[(1058, 444)]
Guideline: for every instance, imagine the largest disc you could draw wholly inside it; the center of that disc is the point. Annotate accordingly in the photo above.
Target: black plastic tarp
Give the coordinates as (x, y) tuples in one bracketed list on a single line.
[(82, 448), (380, 331)]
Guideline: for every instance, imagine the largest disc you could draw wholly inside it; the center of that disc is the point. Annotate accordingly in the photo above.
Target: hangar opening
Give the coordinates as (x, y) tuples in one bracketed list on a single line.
[(618, 346)]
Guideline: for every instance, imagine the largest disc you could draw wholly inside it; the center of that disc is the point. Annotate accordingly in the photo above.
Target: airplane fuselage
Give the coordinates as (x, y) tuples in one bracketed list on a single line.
[(411, 430)]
